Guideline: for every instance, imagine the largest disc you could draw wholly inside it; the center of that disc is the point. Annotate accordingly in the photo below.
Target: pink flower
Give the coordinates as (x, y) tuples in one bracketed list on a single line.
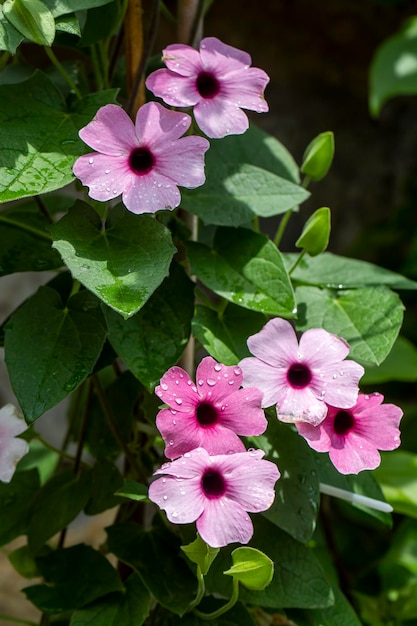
[(217, 81), (144, 161), (217, 492), (353, 437), (11, 448), (298, 377), (210, 414)]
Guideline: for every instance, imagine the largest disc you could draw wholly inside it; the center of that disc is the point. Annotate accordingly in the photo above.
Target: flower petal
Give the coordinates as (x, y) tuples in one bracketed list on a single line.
[(178, 390), (219, 440), (175, 90), (376, 422), (105, 176), (242, 412), (224, 521), (11, 451), (357, 454), (151, 192), (183, 500), (270, 380), (317, 437), (217, 117), (110, 132), (182, 59), (319, 347), (301, 405), (190, 465), (182, 161), (213, 378), (11, 422), (245, 88), (339, 383), (157, 125), (179, 430), (275, 344), (216, 54)]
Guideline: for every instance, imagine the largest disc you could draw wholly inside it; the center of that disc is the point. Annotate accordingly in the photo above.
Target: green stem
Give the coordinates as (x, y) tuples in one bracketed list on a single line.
[(103, 49), (204, 299), (3, 59), (16, 620), (200, 592), (281, 228), (255, 224), (96, 67), (29, 229), (60, 453), (223, 609), (62, 71), (300, 256), (305, 182)]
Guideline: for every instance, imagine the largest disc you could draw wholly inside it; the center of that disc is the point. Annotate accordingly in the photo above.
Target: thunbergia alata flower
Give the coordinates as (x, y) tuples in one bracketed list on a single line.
[(300, 378), (217, 81), (12, 449), (209, 414), (144, 161), (217, 492), (352, 437)]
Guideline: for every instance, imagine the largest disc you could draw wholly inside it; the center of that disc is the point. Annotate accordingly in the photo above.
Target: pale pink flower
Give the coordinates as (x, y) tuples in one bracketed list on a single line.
[(352, 437), (144, 161), (301, 377), (11, 448), (217, 81), (217, 492), (209, 414)]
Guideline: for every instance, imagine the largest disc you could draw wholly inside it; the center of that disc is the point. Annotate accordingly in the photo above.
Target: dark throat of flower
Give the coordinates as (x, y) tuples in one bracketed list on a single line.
[(206, 414), (141, 160), (343, 422), (207, 85), (213, 484), (299, 375)]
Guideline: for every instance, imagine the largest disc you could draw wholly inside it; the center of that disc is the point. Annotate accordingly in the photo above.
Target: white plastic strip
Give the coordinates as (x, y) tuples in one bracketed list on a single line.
[(355, 498)]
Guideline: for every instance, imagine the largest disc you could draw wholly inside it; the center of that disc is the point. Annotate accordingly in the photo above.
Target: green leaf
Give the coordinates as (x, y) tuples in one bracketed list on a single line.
[(340, 613), (316, 232), (56, 505), (60, 7), (133, 490), (172, 583), (400, 364), (39, 137), (297, 491), (337, 272), (252, 568), (393, 69), (397, 476), (123, 264), (32, 18), (74, 577), (153, 340), (318, 156), (51, 348), (44, 459), (24, 562), (130, 608), (10, 38), (16, 500), (105, 480), (25, 244), (100, 24), (298, 580), (68, 24), (247, 175), (245, 268), (369, 319), (201, 553), (225, 336)]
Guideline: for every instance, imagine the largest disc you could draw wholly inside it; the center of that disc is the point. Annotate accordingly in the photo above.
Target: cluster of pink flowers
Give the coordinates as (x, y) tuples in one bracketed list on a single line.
[(146, 161), (212, 480), (316, 388)]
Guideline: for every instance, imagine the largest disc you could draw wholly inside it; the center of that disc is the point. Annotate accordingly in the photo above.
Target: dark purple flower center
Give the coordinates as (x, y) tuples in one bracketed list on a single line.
[(141, 160), (207, 85), (206, 414), (213, 484), (343, 422), (299, 375)]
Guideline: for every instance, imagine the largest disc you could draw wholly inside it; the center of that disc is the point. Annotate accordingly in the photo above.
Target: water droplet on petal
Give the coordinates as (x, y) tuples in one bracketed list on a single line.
[(201, 382), (178, 400), (237, 371), (334, 376), (91, 161), (189, 382), (187, 455), (341, 373), (164, 386), (107, 171), (174, 422), (231, 382), (177, 382), (165, 498), (217, 367), (171, 443), (211, 382), (173, 411)]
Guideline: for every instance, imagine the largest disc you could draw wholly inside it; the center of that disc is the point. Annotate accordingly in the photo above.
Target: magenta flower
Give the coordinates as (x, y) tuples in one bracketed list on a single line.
[(144, 161), (210, 414), (11, 448), (217, 492), (353, 437), (217, 81), (300, 377)]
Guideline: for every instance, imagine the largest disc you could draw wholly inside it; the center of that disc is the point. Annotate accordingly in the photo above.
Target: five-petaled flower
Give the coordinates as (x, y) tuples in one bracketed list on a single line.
[(352, 437), (217, 81), (144, 161), (217, 492), (300, 378), (209, 414), (11, 447)]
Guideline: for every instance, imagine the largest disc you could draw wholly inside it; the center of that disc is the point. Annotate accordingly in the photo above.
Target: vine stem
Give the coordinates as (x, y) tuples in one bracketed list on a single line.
[(294, 265), (281, 228), (62, 71), (200, 592), (222, 609)]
